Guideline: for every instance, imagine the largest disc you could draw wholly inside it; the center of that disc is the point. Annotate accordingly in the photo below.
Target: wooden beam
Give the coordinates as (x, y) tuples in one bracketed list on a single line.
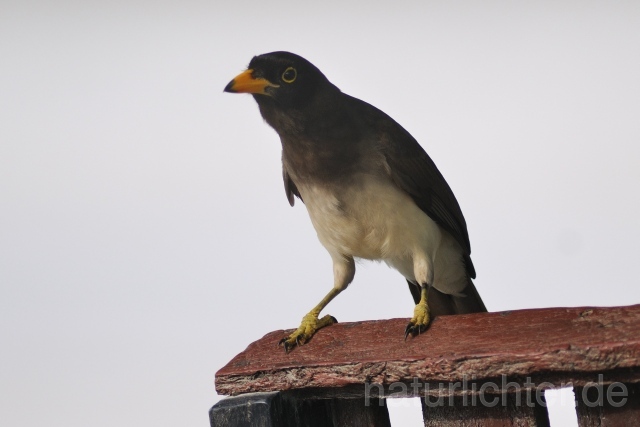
[(555, 344)]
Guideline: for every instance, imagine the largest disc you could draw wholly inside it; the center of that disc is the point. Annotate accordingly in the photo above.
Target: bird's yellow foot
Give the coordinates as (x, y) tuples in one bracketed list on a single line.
[(309, 325), (420, 320)]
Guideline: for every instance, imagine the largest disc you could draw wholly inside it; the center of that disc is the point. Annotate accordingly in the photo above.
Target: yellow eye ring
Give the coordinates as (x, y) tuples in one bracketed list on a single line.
[(289, 75)]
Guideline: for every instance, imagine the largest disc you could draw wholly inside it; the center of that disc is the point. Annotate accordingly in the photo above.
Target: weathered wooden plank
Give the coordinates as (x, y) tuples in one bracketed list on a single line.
[(554, 342), (276, 409)]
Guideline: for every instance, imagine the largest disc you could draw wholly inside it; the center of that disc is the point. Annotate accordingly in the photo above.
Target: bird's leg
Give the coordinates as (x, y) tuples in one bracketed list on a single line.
[(344, 268), (420, 320), (423, 272), (311, 323)]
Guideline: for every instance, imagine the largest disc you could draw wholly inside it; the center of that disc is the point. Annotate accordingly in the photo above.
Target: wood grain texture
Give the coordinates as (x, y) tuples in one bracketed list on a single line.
[(559, 343)]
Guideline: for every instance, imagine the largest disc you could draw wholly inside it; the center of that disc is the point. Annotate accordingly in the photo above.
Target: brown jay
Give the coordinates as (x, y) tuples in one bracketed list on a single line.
[(370, 189)]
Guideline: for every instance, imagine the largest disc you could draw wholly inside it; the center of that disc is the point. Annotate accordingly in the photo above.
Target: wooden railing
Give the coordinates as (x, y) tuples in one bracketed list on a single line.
[(486, 369)]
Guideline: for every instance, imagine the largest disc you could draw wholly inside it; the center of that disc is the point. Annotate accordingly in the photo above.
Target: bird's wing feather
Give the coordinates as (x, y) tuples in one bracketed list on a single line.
[(289, 187), (411, 169)]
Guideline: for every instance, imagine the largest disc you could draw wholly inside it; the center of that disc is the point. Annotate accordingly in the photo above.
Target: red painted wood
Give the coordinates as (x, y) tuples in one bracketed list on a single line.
[(483, 345)]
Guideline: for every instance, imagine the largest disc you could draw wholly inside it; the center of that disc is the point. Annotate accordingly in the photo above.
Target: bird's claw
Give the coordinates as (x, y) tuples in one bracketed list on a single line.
[(287, 345), (310, 324), (295, 339), (414, 330), (420, 321)]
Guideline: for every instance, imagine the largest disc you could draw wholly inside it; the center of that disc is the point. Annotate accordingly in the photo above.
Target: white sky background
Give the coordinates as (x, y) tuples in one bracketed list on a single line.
[(145, 237)]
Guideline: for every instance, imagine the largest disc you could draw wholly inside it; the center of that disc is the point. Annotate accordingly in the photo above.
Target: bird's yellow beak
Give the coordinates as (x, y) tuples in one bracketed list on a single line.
[(246, 83)]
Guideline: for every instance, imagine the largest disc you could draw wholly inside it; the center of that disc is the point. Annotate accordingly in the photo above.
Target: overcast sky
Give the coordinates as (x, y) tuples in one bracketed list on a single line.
[(145, 236)]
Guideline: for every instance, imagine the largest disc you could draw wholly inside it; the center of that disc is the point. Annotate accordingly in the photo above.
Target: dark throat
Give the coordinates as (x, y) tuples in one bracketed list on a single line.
[(320, 142)]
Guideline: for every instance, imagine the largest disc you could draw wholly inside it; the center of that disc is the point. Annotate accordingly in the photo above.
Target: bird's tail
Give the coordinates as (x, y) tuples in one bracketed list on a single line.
[(442, 304)]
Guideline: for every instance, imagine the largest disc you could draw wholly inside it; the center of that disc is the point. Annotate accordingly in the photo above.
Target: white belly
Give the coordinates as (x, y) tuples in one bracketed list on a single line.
[(377, 221)]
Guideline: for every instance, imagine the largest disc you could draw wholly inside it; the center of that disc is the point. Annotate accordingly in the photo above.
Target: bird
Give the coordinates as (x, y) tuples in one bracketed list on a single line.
[(370, 189)]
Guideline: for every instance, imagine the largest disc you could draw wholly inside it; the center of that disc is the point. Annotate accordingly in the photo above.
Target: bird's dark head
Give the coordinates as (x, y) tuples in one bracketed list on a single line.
[(280, 79)]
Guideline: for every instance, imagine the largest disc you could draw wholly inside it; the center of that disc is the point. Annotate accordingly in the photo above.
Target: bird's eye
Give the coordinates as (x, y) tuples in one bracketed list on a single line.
[(289, 75)]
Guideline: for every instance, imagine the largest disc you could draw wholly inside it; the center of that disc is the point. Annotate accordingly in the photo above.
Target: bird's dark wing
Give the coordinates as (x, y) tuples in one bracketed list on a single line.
[(411, 169), (289, 187)]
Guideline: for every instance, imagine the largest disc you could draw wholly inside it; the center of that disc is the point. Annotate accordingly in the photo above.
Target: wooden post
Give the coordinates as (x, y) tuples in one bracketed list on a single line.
[(608, 405)]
